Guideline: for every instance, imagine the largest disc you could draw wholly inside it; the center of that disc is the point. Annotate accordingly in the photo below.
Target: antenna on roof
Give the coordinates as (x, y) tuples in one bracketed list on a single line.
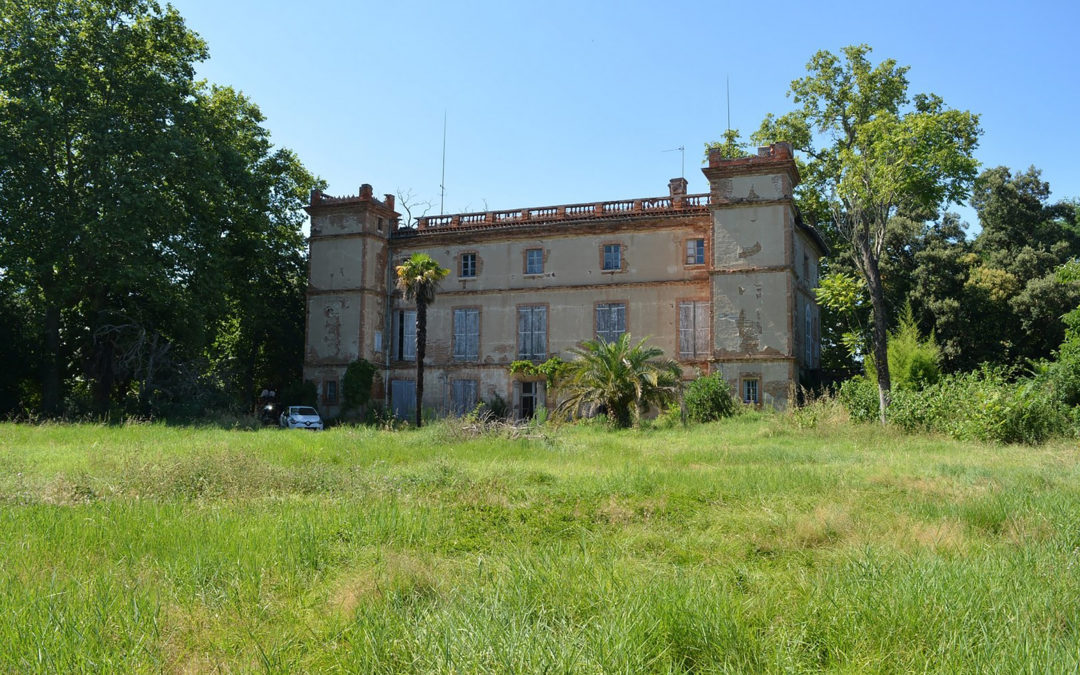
[(682, 149), (727, 82), (442, 181)]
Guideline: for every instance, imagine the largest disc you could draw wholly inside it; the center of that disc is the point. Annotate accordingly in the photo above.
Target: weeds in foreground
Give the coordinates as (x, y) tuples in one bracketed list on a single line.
[(745, 545)]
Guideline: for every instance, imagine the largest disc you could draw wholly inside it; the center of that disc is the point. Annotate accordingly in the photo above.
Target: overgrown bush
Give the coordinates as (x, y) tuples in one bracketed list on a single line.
[(983, 405), (913, 360), (708, 399), (356, 385), (859, 396)]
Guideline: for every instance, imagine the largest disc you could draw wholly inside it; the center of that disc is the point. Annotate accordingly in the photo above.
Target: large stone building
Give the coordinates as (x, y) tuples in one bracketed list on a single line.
[(722, 282)]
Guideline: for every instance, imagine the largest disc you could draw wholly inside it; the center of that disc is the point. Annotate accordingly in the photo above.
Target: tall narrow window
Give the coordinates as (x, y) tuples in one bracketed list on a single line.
[(405, 350), (750, 393), (534, 261), (331, 392), (612, 257), (468, 265), (527, 399), (463, 396), (808, 338), (695, 251), (610, 321), (532, 332), (466, 334), (693, 329)]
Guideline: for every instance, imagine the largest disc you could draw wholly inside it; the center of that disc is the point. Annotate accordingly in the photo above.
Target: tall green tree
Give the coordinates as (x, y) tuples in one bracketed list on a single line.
[(145, 213), (621, 377), (418, 278), (872, 153), (93, 98)]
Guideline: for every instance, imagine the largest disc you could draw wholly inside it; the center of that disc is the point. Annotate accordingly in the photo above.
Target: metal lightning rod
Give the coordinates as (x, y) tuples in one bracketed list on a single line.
[(727, 80), (442, 181)]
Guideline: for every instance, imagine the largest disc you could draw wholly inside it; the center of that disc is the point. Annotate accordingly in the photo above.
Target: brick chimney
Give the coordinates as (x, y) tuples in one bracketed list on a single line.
[(677, 186)]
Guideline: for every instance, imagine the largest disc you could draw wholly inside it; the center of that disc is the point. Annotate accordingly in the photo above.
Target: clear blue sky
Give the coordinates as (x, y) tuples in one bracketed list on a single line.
[(560, 102)]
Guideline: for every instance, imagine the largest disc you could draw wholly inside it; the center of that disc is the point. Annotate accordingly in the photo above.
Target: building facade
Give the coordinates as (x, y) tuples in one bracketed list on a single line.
[(722, 282)]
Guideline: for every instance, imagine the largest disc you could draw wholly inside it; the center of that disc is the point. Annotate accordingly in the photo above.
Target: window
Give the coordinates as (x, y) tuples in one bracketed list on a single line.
[(694, 329), (610, 321), (808, 340), (468, 265), (532, 332), (405, 349), (463, 396), (331, 392), (750, 392), (380, 224), (612, 257), (534, 261), (466, 334), (695, 251), (527, 399)]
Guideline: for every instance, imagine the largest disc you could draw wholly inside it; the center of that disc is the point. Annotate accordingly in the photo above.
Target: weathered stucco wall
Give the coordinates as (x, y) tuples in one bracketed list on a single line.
[(333, 334)]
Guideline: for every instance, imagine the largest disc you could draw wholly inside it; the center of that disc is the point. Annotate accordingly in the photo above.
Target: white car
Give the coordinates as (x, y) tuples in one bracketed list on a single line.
[(301, 417)]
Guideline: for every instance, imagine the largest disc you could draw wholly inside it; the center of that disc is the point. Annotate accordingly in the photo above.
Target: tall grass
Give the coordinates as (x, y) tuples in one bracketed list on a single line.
[(746, 545)]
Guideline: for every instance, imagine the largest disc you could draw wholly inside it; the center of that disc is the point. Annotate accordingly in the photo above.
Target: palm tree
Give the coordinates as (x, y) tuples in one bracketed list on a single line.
[(418, 278), (620, 377)]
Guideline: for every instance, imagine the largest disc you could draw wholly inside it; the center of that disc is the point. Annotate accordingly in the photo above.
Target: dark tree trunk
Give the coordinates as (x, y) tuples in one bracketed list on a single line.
[(880, 335), (104, 375), (50, 375), (421, 345)]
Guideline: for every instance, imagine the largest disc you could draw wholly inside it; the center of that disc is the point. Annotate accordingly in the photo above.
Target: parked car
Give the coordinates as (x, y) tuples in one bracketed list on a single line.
[(301, 417)]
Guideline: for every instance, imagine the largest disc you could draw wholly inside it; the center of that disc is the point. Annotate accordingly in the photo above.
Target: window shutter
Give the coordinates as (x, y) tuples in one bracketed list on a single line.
[(459, 335), (473, 318), (701, 329), (523, 333), (686, 330)]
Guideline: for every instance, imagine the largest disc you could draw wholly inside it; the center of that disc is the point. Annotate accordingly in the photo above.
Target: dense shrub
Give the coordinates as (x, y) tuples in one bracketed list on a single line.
[(708, 399), (859, 396), (913, 360), (356, 385), (982, 405)]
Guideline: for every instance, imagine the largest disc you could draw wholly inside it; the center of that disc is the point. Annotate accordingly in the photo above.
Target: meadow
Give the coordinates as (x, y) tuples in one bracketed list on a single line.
[(746, 545)]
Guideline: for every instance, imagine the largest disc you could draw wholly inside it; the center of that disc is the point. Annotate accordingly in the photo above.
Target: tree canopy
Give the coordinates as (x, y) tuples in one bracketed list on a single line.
[(146, 221), (870, 153)]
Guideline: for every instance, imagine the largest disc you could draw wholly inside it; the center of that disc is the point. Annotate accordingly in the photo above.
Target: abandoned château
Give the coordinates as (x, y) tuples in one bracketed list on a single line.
[(722, 282)]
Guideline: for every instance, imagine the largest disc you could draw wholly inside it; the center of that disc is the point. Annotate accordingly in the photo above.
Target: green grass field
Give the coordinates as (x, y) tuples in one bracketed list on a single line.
[(744, 546)]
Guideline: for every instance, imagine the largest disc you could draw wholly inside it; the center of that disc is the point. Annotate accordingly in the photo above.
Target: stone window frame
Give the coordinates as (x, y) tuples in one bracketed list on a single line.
[(525, 261), (479, 332), (708, 327), (704, 251), (459, 262), (330, 392), (547, 330), (622, 257), (596, 318)]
